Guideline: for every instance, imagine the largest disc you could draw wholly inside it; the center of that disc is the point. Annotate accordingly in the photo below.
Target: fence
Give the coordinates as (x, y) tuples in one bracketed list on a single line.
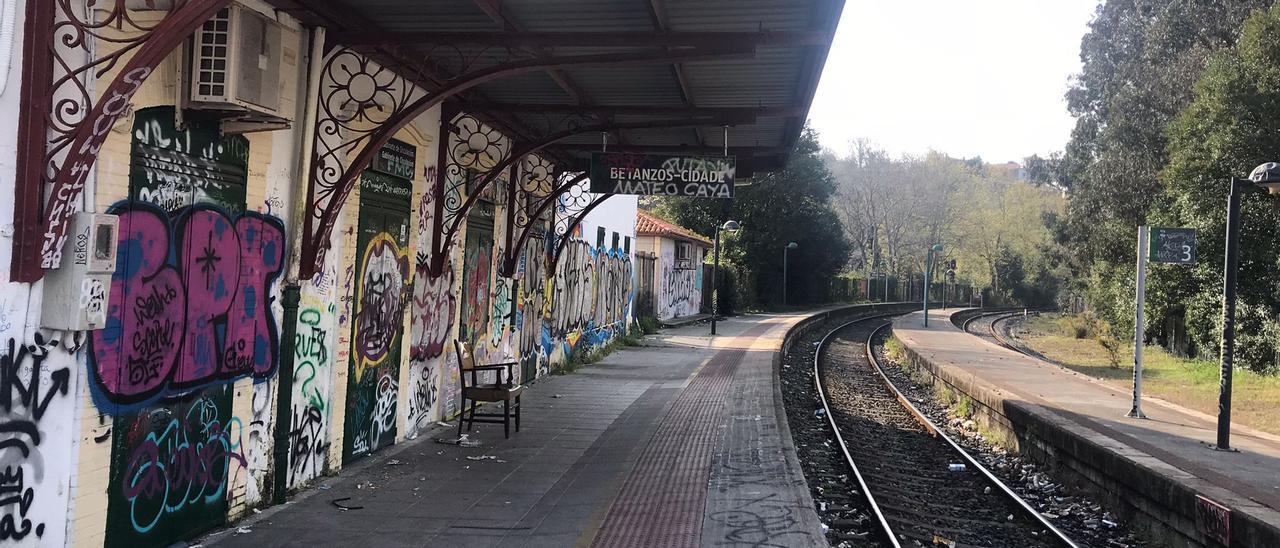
[(645, 265)]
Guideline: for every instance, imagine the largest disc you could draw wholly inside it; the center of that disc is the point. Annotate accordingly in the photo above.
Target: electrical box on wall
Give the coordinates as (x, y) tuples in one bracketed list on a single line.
[(76, 293)]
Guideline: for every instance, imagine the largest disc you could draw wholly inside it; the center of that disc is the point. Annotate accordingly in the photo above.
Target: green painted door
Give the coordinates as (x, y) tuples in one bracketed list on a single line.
[(381, 293), (166, 387)]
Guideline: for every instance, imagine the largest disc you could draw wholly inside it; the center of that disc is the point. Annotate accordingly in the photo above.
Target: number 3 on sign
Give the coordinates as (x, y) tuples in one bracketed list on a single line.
[(1173, 245)]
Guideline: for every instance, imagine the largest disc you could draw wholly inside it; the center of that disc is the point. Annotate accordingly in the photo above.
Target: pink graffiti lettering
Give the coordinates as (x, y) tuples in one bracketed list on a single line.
[(432, 311), (190, 304)]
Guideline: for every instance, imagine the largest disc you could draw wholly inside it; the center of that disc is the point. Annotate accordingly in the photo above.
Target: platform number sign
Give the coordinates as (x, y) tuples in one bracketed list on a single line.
[(1173, 245)]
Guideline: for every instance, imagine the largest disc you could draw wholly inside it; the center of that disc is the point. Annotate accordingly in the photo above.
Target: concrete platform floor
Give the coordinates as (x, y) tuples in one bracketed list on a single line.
[(681, 442), (1172, 441)]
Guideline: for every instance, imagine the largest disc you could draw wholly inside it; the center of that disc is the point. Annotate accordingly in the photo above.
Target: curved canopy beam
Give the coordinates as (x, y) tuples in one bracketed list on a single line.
[(320, 228), (508, 265), (85, 137), (564, 240), (526, 149)]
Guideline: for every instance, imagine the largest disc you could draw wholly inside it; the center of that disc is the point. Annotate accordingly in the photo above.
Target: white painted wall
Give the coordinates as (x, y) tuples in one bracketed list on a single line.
[(617, 214)]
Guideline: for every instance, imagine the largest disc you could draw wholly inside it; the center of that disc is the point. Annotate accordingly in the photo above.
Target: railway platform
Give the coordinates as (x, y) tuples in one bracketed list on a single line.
[(680, 442), (1161, 470)]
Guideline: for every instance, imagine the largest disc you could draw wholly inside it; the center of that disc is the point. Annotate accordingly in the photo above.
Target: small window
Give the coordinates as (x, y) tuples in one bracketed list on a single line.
[(614, 244), (600, 236), (626, 246), (684, 251)]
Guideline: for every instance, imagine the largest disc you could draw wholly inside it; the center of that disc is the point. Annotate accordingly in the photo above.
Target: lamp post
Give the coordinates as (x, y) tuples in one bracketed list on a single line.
[(1264, 176), (928, 265), (728, 226), (790, 246)]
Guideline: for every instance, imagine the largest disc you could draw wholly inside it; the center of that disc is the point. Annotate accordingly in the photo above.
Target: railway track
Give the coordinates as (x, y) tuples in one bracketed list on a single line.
[(920, 485), (986, 324)]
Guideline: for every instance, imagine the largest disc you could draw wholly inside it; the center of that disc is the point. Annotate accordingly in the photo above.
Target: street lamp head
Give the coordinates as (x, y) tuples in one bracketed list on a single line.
[(1267, 176), (937, 248), (730, 226), (792, 245)]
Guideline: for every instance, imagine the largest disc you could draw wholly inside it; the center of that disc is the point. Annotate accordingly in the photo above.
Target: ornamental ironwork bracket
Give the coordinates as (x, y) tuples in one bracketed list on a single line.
[(570, 182), (521, 152), (333, 178), (572, 224), (68, 46)]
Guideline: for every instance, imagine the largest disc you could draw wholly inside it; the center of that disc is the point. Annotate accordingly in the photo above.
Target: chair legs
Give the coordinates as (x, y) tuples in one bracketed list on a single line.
[(468, 418), (471, 422), (506, 418)]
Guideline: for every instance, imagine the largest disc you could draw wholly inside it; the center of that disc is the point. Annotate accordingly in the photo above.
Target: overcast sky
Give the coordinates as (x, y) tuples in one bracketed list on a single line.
[(963, 77)]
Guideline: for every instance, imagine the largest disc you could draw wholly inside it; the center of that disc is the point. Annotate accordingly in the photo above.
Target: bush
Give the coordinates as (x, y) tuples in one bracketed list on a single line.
[(648, 324), (1082, 326), (1109, 342)]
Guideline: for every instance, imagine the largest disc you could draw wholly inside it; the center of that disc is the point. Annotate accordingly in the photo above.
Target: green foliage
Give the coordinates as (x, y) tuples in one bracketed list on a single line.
[(1108, 341), (1227, 129), (648, 325), (1174, 97), (1078, 326), (780, 207)]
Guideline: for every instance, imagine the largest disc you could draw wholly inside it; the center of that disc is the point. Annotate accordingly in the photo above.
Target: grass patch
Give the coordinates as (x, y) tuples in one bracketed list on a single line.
[(648, 324), (579, 359), (964, 407), (1188, 382), (893, 349)]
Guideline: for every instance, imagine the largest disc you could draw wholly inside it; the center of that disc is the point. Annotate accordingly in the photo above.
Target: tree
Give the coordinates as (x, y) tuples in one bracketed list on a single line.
[(1226, 130), (1141, 59), (791, 205), (993, 224)]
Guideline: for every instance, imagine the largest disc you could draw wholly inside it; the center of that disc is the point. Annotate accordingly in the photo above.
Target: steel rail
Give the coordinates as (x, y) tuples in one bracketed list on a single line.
[(911, 408), (923, 420), (1004, 341), (844, 448), (964, 326)]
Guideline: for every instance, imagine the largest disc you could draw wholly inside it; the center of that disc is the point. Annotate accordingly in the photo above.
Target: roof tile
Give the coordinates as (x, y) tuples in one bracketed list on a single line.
[(648, 224)]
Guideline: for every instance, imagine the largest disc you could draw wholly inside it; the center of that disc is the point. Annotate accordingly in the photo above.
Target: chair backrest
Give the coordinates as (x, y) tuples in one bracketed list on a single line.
[(466, 358)]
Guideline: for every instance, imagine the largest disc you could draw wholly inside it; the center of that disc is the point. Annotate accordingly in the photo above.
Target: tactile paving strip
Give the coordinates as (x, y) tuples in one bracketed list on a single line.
[(663, 499)]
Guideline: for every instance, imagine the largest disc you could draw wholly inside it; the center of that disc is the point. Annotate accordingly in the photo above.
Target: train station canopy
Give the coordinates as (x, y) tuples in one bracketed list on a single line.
[(655, 76)]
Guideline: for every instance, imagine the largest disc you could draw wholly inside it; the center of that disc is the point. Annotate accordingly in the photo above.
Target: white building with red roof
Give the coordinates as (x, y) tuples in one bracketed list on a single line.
[(679, 254)]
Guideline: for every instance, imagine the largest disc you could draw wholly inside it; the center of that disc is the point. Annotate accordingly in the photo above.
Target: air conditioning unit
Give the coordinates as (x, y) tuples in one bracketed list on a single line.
[(236, 68)]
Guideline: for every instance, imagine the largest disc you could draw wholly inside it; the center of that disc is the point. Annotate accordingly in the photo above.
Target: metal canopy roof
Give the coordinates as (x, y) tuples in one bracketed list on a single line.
[(760, 84)]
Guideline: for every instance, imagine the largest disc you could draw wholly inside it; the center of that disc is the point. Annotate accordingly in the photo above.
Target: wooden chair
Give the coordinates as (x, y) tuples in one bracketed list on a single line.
[(499, 391)]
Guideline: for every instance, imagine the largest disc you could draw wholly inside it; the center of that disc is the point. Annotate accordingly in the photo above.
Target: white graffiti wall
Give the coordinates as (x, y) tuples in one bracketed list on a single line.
[(678, 290)]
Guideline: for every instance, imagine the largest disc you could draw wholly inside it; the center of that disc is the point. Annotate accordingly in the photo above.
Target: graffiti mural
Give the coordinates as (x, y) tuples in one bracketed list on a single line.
[(191, 309), (477, 261), (503, 312), (190, 302), (380, 301), (381, 295), (37, 387), (679, 289), (590, 299), (529, 306), (433, 309), (574, 291), (312, 390), (169, 470), (431, 319), (613, 288)]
